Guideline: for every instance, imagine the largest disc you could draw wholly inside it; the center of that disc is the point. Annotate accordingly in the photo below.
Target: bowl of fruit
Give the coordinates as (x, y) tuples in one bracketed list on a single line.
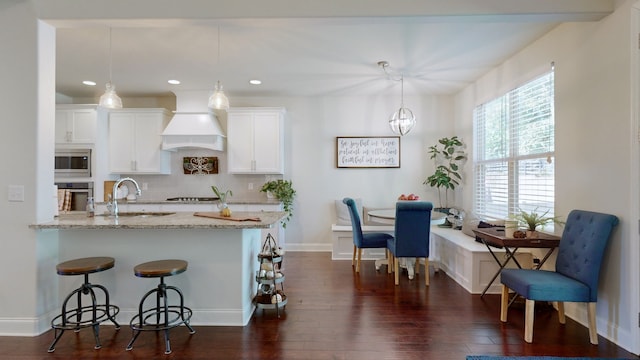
[(410, 197)]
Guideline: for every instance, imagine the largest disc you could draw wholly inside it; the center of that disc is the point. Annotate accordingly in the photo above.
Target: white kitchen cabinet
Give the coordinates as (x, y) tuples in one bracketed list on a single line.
[(135, 141), (255, 140), (75, 124)]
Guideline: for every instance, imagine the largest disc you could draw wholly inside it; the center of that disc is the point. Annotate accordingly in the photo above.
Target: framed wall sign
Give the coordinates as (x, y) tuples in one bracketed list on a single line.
[(368, 152)]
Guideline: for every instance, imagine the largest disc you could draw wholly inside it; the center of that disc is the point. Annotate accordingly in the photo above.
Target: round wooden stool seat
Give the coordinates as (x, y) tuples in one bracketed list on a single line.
[(80, 309), (85, 265), (163, 316), (160, 268)]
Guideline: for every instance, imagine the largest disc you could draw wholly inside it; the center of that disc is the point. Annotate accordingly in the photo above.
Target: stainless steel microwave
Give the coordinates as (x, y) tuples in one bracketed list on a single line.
[(73, 163)]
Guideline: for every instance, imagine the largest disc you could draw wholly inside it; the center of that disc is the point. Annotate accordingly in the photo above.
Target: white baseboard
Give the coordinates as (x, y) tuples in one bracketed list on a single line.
[(308, 247)]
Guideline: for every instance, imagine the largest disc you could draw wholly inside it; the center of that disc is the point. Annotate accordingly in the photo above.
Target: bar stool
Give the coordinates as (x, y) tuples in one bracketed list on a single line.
[(162, 316), (73, 318)]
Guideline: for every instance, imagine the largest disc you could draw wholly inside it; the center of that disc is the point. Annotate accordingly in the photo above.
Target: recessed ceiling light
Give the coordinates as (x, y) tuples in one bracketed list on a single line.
[(89, 83), (174, 82), (255, 82)]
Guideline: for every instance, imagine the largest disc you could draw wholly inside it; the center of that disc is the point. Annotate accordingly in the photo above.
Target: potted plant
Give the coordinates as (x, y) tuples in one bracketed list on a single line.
[(532, 220), (222, 200), (448, 156), (283, 191)]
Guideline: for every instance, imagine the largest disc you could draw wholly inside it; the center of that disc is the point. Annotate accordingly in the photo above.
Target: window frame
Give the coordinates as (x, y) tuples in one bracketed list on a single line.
[(535, 100)]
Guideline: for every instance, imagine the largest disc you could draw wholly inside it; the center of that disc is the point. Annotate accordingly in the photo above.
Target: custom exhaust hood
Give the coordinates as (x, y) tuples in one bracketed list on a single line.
[(192, 125)]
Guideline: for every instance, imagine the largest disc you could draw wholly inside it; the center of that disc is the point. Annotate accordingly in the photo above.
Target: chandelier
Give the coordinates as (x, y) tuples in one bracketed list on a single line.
[(402, 120)]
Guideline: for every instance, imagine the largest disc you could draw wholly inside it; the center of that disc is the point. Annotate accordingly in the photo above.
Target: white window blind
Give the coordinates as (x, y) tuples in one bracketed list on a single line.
[(514, 151)]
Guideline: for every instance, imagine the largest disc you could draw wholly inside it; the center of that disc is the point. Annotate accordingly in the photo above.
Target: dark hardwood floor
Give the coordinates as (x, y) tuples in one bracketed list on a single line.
[(333, 313)]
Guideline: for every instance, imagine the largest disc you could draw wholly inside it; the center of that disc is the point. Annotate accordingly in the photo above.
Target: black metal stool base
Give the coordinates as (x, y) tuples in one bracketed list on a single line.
[(84, 316), (162, 317)]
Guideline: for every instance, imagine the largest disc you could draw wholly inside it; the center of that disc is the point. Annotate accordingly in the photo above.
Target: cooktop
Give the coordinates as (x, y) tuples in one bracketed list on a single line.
[(192, 199)]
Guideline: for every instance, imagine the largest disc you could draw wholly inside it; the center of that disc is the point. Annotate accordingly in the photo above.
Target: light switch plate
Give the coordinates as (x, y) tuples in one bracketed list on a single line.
[(16, 193)]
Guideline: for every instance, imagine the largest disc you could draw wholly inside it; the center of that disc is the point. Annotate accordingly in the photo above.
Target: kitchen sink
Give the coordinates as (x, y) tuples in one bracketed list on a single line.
[(142, 213)]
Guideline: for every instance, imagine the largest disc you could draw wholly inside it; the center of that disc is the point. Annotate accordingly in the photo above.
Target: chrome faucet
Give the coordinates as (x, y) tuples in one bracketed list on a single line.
[(114, 204)]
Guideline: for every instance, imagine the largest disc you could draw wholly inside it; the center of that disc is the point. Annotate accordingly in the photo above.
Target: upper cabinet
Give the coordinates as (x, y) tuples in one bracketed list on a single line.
[(135, 139), (255, 140), (75, 124)]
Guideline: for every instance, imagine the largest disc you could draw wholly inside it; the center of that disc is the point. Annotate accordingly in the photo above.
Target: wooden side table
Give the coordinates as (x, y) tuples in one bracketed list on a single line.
[(495, 237)]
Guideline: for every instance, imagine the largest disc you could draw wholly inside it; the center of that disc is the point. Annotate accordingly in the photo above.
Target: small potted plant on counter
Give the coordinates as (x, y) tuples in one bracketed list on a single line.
[(283, 191), (222, 200)]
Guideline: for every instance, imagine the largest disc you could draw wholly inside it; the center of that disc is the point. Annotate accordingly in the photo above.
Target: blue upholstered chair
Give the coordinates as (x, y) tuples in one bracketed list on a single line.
[(411, 238), (360, 240), (575, 279)]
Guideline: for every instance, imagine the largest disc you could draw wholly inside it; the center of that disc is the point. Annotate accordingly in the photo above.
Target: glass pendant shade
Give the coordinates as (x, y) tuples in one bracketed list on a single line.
[(218, 100), (110, 99), (402, 121)]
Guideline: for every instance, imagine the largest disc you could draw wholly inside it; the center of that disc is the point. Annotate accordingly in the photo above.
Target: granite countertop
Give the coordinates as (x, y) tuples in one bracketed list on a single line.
[(177, 220), (231, 201)]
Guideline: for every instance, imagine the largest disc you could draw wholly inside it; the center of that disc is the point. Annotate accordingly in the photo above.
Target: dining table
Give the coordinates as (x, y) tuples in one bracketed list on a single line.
[(388, 216)]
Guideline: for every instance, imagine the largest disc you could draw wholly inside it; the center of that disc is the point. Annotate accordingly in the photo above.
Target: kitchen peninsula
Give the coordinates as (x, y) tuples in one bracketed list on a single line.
[(219, 283)]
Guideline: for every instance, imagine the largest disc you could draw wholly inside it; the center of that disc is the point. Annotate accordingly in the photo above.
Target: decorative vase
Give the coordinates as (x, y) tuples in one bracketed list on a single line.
[(532, 234), (224, 209), (510, 226)]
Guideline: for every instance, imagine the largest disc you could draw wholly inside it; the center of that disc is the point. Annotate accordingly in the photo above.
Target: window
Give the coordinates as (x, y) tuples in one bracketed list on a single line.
[(514, 151)]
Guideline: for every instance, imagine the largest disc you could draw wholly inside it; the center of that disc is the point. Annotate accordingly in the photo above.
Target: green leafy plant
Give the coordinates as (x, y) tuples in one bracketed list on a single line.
[(533, 220), (283, 191), (448, 156), (222, 195)]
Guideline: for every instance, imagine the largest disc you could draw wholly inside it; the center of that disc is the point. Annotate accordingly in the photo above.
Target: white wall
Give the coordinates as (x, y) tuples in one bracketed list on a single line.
[(595, 132), (312, 125), (27, 102)]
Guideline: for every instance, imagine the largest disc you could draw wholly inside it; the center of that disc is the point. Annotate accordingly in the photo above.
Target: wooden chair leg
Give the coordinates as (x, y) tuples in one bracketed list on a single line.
[(504, 303), (593, 332), (426, 272), (561, 316), (528, 320), (416, 266), (390, 260), (353, 258), (358, 261), (396, 270)]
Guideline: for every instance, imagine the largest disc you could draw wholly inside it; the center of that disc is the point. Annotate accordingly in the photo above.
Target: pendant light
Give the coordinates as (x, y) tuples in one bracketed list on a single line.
[(110, 99), (218, 100), (402, 121)]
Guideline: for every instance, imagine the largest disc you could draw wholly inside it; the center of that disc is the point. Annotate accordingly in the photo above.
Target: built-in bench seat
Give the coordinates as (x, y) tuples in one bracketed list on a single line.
[(462, 258), (467, 261)]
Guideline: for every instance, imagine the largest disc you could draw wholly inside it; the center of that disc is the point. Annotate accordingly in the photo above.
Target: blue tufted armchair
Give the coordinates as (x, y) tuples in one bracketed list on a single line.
[(412, 231), (360, 240), (575, 279)]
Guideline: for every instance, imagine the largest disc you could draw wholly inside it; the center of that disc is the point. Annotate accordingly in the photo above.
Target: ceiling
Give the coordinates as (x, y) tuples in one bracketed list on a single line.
[(295, 54)]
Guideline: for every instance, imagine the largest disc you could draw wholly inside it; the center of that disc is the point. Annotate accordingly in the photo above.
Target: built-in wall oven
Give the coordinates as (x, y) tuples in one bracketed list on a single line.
[(74, 163), (78, 193)]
